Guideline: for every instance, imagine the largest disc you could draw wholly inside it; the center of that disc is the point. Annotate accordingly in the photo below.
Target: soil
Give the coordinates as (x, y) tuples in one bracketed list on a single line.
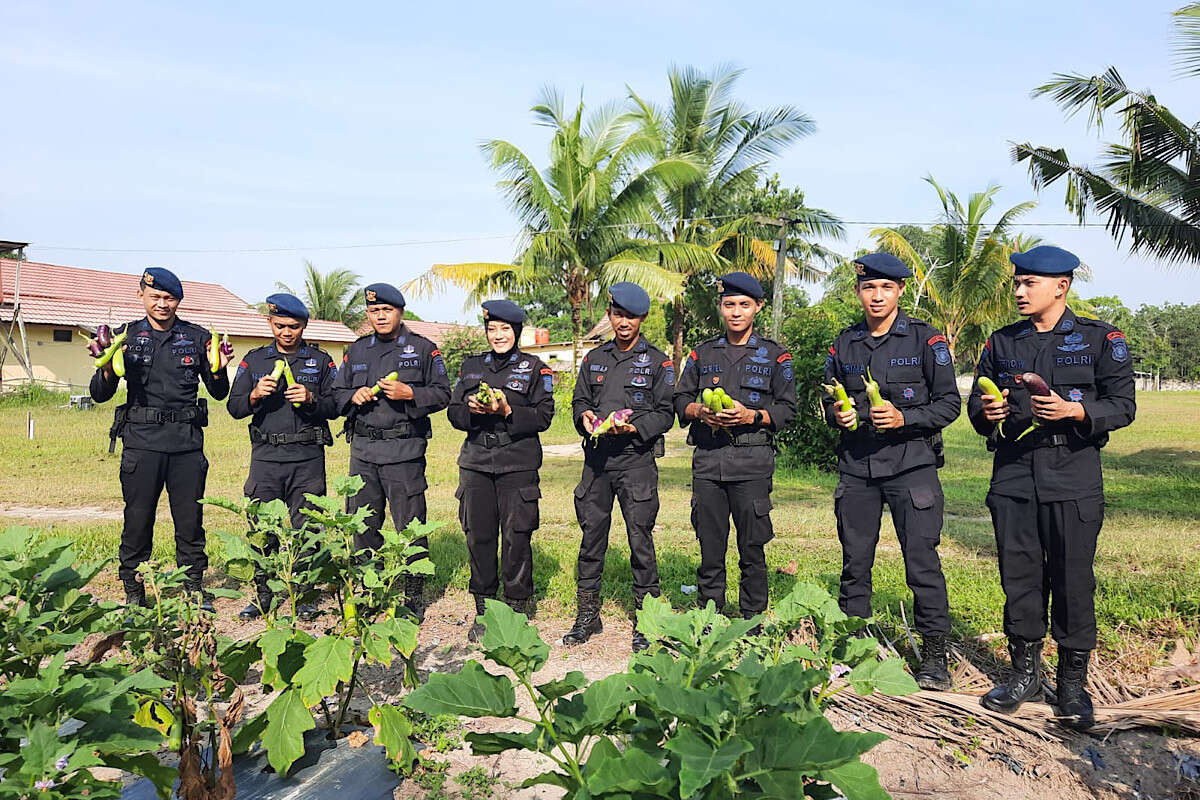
[(60, 514)]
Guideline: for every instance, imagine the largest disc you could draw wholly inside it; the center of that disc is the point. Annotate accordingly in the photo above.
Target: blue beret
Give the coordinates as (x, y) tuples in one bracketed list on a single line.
[(1044, 260), (503, 311), (286, 305), (630, 297), (874, 266), (162, 278), (383, 294), (738, 283)]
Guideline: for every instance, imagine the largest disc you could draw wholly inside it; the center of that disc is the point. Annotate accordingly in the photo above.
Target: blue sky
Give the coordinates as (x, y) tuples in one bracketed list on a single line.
[(256, 126)]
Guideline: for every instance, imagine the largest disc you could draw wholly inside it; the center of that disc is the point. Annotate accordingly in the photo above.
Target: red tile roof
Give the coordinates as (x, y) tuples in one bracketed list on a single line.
[(58, 295)]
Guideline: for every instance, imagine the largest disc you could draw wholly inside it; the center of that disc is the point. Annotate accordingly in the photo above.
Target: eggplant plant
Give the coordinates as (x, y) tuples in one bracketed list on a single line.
[(711, 710)]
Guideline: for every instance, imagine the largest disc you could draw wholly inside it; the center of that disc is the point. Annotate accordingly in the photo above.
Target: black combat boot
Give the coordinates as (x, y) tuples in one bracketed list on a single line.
[(640, 642), (933, 674), (253, 611), (476, 632), (1026, 681), (135, 593), (195, 586), (1074, 704), (757, 629), (414, 588), (524, 605), (587, 619)]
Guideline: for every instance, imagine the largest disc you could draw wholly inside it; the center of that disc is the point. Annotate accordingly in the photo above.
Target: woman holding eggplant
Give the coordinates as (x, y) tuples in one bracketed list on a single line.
[(502, 399)]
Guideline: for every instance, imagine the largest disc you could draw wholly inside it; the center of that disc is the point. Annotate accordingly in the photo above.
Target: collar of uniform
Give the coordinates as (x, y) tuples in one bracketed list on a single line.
[(901, 325), (398, 340), (859, 331), (272, 350), (751, 342), (1025, 329), (1066, 323), (640, 346)]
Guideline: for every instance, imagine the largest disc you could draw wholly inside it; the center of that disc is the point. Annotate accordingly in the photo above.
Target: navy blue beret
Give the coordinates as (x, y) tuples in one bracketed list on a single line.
[(503, 311), (286, 305), (383, 294), (874, 266), (162, 278), (739, 283), (1044, 260), (630, 297)]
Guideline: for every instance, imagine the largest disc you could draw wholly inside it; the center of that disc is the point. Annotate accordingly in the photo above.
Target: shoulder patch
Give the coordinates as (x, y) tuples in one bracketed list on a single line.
[(547, 371), (785, 356), (935, 339), (1120, 350), (832, 350)]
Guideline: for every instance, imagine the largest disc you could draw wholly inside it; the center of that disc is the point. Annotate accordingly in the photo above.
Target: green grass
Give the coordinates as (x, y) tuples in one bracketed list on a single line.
[(1147, 563)]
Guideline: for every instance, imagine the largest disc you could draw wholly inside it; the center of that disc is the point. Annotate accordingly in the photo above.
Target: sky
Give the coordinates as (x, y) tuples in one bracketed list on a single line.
[(231, 141)]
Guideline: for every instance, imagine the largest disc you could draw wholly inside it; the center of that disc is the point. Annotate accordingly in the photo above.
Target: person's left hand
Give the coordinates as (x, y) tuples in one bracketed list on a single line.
[(395, 390), (502, 406), (297, 393), (738, 415), (622, 427), (887, 417), (1055, 407)]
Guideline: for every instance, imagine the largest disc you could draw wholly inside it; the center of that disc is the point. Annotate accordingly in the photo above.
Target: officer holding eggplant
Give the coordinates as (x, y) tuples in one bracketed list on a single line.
[(286, 388), (164, 360), (1050, 389), (502, 399), (389, 383), (734, 459), (622, 406), (892, 390)]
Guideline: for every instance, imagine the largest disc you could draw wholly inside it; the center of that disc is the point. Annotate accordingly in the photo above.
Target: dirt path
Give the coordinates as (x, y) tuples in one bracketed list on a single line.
[(59, 513)]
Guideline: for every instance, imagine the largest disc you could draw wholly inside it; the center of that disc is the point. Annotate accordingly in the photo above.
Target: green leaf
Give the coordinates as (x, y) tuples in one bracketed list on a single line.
[(473, 692), (854, 651), (658, 621), (886, 677), (573, 681), (288, 718), (780, 743), (327, 662), (779, 784), (593, 709), (249, 733), (700, 762), (392, 731), (610, 770), (146, 765), (489, 744), (808, 601), (855, 780), (510, 640), (787, 682), (549, 779)]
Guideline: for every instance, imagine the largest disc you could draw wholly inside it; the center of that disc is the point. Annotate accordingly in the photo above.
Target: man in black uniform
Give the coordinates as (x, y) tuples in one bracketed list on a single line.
[(891, 454), (627, 372), (498, 487), (388, 430), (161, 426), (734, 460), (1047, 492), (289, 427)]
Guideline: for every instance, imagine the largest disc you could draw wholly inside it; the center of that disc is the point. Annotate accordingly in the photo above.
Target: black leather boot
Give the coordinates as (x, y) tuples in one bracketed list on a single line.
[(524, 605), (933, 674), (640, 642), (476, 632), (135, 593), (587, 619), (414, 601), (757, 629), (195, 586), (1026, 681), (255, 610), (1074, 704)]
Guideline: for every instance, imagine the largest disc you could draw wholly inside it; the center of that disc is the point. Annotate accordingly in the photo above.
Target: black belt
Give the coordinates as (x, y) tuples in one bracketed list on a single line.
[(158, 416), (303, 436), (490, 440), (404, 430), (752, 438)]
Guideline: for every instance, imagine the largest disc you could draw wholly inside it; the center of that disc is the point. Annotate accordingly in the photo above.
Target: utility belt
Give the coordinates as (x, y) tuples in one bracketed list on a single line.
[(757, 438), (310, 435), (901, 436), (149, 415), (489, 439), (1039, 439), (401, 430), (608, 446)]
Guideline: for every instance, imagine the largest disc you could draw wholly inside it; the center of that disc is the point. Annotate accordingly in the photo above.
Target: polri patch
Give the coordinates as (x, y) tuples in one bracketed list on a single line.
[(1120, 350)]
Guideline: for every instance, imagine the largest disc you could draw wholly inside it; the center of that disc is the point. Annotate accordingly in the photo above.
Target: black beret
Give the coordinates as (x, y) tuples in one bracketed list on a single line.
[(503, 311), (162, 278), (286, 305), (383, 294), (739, 283), (874, 266), (630, 297), (1044, 260)]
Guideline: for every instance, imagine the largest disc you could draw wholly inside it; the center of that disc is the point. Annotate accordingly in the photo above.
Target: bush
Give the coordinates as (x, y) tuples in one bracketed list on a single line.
[(809, 441), (459, 344)]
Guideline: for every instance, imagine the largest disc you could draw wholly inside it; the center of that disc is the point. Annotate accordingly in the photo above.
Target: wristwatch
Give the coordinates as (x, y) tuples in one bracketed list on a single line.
[(758, 416)]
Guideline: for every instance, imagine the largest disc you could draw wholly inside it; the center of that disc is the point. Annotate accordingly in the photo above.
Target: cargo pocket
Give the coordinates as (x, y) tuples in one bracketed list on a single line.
[(927, 512), (763, 531), (250, 489), (585, 483), (525, 516), (1091, 512), (459, 494)]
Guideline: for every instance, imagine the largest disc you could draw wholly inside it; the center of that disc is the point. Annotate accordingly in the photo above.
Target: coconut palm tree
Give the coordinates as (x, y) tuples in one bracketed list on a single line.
[(964, 285), (331, 296), (584, 215), (731, 144), (1148, 185)]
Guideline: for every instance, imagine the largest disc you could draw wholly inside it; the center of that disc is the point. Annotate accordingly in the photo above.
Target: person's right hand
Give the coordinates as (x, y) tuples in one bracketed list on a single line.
[(845, 419), (265, 387), (362, 396), (995, 408)]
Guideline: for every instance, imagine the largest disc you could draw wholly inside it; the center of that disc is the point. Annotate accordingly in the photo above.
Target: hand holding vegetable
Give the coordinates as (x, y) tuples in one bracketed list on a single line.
[(845, 414), (995, 402), (610, 423), (1037, 387), (393, 389), (734, 413), (298, 394), (1053, 407), (113, 357), (887, 417)]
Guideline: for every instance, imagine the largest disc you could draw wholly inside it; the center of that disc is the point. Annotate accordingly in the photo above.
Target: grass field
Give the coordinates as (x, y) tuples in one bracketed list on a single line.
[(1148, 564)]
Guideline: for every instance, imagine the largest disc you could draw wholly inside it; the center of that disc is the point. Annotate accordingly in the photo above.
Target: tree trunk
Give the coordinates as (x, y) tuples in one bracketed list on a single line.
[(576, 292), (677, 333)]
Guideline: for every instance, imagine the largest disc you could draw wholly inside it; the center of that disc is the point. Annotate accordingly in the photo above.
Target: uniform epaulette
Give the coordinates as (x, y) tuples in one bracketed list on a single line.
[(1099, 323)]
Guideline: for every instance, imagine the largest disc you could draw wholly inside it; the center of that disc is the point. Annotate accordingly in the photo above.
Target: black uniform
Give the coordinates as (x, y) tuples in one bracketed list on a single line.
[(387, 446), (161, 427), (1047, 491), (642, 379), (498, 467), (732, 468), (287, 455), (912, 365)]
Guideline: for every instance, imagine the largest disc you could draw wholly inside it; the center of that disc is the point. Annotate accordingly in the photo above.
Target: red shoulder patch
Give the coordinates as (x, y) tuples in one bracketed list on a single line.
[(936, 338), (987, 345), (692, 355), (1115, 335), (243, 365), (332, 365), (436, 352), (345, 358), (832, 352), (547, 371), (784, 357), (668, 363)]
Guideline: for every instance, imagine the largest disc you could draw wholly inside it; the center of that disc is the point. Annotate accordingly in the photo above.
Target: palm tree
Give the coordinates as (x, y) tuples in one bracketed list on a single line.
[(331, 296), (1147, 185), (963, 286), (730, 144), (583, 215)]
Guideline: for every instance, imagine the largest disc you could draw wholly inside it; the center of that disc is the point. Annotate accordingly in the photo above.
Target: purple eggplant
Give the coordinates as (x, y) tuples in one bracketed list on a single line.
[(1037, 387)]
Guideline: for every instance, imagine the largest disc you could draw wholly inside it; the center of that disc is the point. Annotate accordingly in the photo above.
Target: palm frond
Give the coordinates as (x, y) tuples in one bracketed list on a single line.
[(1187, 48)]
